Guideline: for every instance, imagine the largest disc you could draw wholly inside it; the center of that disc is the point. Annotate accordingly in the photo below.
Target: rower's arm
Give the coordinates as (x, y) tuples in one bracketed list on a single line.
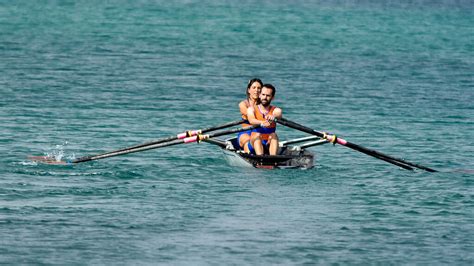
[(277, 113), (243, 109), (251, 117)]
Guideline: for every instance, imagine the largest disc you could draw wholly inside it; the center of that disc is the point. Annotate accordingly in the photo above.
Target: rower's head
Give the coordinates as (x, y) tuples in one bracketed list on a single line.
[(253, 88), (267, 93)]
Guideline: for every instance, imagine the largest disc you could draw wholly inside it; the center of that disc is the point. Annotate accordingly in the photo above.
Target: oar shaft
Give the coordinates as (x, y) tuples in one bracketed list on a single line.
[(230, 131), (127, 151), (217, 142), (388, 160), (382, 155), (158, 141), (298, 140), (399, 162), (161, 145), (226, 125)]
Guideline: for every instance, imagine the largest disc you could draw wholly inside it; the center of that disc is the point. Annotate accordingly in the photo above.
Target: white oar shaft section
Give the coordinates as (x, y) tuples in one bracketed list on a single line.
[(313, 143), (298, 140)]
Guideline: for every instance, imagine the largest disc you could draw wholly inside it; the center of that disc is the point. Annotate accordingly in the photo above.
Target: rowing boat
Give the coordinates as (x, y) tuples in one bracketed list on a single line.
[(288, 157)]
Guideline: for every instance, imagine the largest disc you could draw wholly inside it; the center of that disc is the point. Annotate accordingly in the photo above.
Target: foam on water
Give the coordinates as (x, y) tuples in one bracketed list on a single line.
[(59, 152)]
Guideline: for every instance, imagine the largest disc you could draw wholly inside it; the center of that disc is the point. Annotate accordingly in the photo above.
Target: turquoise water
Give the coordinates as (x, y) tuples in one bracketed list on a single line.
[(85, 77)]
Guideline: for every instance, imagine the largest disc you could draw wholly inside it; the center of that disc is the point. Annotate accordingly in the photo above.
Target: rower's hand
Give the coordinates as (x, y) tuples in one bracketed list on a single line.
[(265, 124), (270, 118)]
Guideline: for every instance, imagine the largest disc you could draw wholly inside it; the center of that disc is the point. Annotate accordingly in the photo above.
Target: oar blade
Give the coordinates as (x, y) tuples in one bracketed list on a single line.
[(47, 160)]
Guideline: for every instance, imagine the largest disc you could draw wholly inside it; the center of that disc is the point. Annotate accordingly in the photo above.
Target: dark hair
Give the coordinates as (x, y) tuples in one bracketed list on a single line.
[(252, 81), (270, 86)]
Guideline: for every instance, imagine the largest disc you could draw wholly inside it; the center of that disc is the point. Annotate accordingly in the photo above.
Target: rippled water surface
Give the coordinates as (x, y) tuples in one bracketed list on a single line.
[(86, 77)]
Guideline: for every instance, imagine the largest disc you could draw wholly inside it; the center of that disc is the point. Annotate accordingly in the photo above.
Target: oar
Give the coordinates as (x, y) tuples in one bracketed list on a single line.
[(195, 138), (332, 138), (183, 135), (190, 133)]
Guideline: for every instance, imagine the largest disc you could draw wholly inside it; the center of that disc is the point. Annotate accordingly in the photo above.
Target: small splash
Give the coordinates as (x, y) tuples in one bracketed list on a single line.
[(58, 153), (54, 155)]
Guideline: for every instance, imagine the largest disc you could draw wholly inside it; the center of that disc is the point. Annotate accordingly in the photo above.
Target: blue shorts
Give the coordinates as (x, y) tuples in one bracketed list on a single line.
[(248, 132), (252, 150)]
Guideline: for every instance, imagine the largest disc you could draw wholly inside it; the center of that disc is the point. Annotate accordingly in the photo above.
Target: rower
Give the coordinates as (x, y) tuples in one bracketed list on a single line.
[(253, 92), (264, 138)]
